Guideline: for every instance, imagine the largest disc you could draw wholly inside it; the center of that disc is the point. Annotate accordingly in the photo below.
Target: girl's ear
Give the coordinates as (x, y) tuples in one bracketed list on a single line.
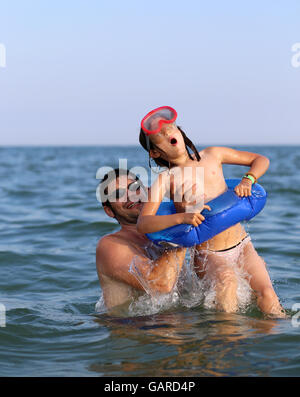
[(154, 154)]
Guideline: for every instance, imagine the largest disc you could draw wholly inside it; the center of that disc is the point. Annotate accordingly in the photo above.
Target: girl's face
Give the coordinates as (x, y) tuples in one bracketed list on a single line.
[(169, 143)]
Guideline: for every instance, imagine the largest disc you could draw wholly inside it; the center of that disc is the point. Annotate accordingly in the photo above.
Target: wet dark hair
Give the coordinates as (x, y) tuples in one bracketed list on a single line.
[(164, 163)]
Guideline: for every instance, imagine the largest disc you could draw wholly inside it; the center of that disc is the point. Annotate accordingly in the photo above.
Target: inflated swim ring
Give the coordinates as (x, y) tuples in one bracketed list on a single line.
[(227, 210)]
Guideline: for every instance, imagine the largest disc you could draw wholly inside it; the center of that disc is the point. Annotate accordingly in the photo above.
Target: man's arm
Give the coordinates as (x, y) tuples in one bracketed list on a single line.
[(114, 259)]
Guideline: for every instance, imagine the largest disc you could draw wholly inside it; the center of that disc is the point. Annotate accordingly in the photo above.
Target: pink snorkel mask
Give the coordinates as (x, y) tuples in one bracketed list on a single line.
[(153, 121)]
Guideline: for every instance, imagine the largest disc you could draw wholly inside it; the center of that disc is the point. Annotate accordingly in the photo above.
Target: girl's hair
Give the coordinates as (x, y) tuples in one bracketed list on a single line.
[(164, 163)]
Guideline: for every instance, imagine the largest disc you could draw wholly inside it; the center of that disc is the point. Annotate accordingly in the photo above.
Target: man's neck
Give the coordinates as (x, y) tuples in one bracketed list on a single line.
[(130, 227), (132, 230)]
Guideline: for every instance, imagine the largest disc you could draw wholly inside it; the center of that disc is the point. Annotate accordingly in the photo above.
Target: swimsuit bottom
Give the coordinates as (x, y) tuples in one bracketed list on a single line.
[(230, 255), (231, 248)]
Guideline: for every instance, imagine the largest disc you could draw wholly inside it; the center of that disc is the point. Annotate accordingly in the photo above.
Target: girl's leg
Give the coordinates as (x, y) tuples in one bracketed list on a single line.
[(218, 270), (259, 279)]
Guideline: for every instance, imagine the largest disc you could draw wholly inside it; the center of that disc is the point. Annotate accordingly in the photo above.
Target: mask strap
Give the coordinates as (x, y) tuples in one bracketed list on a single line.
[(148, 149), (147, 143)]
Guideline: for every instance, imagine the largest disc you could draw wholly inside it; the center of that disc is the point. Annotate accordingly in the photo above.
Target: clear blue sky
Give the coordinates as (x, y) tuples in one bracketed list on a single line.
[(86, 71)]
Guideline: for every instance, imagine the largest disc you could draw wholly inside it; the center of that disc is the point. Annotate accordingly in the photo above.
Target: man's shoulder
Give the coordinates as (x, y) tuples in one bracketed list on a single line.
[(109, 241), (114, 254), (106, 240), (112, 245)]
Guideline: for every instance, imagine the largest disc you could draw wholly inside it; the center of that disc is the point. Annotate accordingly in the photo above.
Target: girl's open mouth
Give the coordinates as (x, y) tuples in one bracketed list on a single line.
[(173, 141)]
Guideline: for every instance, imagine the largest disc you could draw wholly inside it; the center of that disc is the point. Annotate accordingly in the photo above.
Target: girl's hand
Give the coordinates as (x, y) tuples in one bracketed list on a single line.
[(194, 219), (243, 189)]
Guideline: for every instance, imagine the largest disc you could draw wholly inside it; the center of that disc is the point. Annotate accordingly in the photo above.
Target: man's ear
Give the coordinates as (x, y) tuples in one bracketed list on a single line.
[(109, 211), (154, 154)]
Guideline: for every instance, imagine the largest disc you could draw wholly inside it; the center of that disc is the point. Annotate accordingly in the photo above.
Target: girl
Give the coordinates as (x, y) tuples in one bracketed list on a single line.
[(168, 145)]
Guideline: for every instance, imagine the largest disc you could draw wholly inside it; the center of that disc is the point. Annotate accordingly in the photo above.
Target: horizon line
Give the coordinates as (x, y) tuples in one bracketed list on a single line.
[(137, 145)]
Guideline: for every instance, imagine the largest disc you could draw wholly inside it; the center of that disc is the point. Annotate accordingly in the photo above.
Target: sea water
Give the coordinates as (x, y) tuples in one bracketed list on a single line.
[(50, 223)]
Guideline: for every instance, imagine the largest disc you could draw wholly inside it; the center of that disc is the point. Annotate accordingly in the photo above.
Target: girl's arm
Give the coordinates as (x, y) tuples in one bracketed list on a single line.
[(258, 165), (148, 222)]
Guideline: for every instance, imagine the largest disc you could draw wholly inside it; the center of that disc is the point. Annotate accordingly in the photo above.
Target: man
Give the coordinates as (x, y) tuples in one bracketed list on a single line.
[(128, 264)]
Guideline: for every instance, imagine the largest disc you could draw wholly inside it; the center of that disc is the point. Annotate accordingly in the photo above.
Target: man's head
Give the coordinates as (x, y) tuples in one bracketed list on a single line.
[(122, 194)]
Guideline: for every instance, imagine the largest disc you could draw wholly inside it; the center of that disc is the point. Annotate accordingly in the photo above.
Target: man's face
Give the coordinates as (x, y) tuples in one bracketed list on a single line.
[(126, 199)]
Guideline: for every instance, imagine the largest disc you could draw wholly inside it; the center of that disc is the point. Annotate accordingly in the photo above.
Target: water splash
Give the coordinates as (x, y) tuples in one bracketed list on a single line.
[(190, 291)]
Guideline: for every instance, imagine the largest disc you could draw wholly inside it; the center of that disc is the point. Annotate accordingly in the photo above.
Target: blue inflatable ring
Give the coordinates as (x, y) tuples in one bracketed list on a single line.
[(227, 210)]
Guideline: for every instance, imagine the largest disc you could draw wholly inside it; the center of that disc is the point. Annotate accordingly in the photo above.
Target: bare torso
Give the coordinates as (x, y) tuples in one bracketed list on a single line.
[(116, 292), (214, 185)]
